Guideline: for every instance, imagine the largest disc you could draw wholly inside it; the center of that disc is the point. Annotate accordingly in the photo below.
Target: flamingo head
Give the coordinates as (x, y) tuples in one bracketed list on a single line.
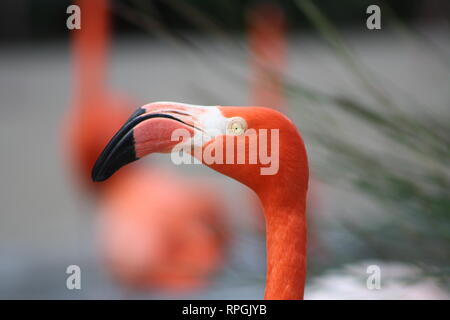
[(248, 144)]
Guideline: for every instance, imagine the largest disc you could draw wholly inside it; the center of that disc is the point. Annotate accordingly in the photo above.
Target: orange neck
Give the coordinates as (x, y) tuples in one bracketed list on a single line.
[(283, 196), (286, 250)]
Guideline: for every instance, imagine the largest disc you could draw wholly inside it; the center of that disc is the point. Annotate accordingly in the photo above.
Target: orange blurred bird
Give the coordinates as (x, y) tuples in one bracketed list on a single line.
[(177, 237), (86, 128), (171, 237), (268, 47)]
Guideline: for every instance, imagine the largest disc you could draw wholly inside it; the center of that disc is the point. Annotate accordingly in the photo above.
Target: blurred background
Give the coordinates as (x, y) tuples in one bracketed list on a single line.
[(373, 107)]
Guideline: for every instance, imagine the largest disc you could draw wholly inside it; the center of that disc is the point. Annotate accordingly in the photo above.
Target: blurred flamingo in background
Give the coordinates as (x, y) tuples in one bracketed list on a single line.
[(268, 48), (158, 230), (86, 130), (177, 238)]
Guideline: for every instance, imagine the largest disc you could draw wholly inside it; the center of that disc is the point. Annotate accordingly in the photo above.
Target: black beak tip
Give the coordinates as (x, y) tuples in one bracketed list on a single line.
[(119, 151), (97, 177), (117, 154)]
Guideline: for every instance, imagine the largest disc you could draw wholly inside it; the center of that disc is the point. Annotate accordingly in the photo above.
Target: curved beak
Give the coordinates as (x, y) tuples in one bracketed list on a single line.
[(121, 150)]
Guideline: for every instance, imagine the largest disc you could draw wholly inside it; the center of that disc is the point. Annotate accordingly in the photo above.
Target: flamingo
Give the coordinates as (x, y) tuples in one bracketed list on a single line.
[(268, 47), (142, 244), (85, 130), (283, 195), (174, 242)]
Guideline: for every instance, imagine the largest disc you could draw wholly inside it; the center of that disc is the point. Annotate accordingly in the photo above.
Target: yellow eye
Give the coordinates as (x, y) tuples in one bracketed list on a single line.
[(236, 126)]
